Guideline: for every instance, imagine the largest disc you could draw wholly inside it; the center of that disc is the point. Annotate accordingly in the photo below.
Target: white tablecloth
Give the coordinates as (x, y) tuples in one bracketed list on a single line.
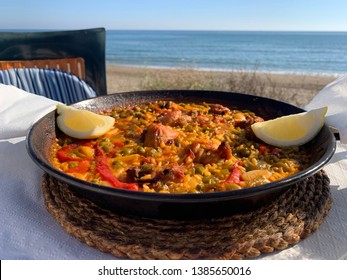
[(28, 231)]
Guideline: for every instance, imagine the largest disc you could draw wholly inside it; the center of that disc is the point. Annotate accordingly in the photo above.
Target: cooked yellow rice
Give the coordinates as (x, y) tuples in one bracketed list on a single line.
[(201, 148)]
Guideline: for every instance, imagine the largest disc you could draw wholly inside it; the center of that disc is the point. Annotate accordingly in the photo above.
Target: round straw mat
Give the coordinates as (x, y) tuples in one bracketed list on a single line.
[(291, 217)]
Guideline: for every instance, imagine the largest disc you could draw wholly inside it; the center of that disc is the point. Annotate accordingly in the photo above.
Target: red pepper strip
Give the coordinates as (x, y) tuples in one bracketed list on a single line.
[(105, 172), (118, 144), (82, 167), (64, 154), (234, 176)]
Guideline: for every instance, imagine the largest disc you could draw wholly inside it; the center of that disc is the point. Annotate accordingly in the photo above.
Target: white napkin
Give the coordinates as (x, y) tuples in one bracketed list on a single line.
[(334, 95), (20, 109)]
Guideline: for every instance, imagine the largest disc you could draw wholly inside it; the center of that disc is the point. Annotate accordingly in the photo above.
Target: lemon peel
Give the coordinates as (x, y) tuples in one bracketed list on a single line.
[(82, 124), (291, 130)]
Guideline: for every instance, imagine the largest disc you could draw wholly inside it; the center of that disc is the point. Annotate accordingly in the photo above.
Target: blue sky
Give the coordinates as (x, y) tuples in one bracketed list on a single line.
[(289, 15)]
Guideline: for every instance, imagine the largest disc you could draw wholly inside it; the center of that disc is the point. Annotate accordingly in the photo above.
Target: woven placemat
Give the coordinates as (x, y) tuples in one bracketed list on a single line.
[(293, 216)]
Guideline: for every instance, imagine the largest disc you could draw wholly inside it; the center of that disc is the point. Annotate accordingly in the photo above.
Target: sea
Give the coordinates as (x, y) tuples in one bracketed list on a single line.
[(323, 53)]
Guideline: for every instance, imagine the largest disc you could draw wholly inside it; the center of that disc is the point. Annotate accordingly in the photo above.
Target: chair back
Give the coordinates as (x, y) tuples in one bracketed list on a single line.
[(52, 83), (75, 65), (81, 52)]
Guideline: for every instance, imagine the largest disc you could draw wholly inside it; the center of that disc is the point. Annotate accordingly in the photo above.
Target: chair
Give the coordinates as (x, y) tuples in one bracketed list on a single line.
[(81, 52), (52, 83)]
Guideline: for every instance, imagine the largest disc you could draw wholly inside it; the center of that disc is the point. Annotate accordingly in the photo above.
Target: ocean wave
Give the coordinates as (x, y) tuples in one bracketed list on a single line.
[(278, 72)]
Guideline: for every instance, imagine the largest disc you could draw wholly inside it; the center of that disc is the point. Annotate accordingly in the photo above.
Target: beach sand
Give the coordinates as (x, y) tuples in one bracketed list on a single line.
[(295, 89)]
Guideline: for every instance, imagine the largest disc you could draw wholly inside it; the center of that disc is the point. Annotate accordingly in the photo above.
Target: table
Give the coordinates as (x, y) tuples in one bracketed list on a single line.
[(28, 231)]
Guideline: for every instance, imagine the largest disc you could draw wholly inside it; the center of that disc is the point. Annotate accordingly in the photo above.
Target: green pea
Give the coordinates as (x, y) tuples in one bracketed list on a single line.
[(104, 140), (141, 150), (199, 169), (72, 164), (117, 164), (212, 181), (146, 167), (126, 151), (243, 151), (151, 152)]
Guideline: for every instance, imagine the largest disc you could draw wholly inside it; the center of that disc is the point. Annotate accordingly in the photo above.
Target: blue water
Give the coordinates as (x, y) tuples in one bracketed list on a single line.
[(286, 52)]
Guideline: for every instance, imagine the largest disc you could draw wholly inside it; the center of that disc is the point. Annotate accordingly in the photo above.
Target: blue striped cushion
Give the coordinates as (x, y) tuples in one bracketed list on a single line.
[(52, 83)]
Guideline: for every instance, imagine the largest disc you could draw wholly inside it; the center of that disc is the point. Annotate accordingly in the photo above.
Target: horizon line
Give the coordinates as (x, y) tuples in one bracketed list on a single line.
[(181, 30)]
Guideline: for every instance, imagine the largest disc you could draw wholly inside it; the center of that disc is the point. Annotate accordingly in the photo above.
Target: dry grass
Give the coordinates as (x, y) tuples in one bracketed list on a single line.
[(187, 79), (295, 89)]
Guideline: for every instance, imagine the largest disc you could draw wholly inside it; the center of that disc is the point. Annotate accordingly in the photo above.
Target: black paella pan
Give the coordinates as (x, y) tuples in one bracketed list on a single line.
[(181, 206)]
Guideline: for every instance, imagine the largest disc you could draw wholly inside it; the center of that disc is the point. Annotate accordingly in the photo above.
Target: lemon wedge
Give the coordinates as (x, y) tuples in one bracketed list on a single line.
[(82, 124), (291, 130)]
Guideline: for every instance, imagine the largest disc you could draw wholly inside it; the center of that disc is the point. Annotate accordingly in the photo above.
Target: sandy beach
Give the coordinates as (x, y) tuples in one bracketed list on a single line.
[(295, 89)]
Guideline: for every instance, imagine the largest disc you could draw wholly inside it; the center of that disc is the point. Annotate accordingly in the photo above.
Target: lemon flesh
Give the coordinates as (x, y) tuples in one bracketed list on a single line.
[(291, 130), (82, 124)]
